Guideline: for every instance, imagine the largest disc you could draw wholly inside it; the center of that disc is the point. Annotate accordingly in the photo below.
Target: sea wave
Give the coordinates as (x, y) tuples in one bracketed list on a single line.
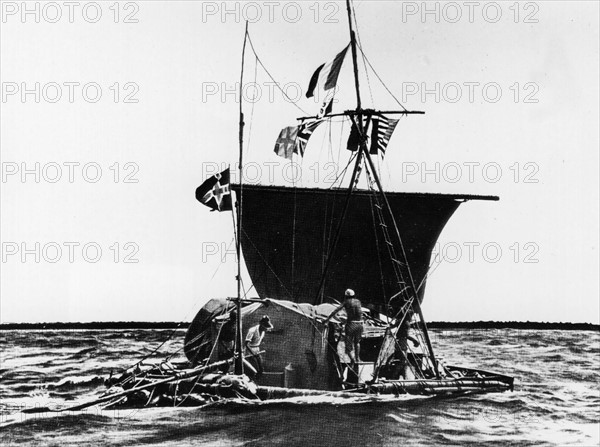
[(556, 399)]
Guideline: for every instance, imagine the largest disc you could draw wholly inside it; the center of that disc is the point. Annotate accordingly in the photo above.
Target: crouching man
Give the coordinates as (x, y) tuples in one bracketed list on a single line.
[(252, 344)]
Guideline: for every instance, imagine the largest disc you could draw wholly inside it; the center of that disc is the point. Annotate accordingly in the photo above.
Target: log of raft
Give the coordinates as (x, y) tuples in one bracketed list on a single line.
[(433, 387), (395, 387), (196, 381), (274, 392), (185, 374)]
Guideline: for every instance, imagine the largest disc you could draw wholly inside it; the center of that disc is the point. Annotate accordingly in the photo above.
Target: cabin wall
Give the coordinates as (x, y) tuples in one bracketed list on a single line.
[(295, 340)]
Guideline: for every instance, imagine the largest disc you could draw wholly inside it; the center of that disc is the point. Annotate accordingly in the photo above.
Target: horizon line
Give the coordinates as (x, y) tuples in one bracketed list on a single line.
[(479, 324)]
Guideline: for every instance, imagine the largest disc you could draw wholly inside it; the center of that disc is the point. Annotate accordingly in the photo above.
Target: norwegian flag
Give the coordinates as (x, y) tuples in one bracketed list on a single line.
[(215, 192)]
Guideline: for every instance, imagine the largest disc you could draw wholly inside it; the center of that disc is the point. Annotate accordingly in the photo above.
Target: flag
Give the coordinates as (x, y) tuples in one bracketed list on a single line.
[(327, 74), (354, 138), (293, 139), (286, 142), (327, 106), (381, 132), (305, 130), (216, 192)]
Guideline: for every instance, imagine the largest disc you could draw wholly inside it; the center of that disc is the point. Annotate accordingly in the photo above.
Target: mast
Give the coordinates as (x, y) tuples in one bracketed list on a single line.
[(415, 299), (354, 61), (356, 171), (239, 360), (357, 118), (363, 149)]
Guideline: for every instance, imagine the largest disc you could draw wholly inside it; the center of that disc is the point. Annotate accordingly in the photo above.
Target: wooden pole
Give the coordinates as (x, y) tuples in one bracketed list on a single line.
[(239, 361), (354, 61), (366, 112), (355, 172), (415, 298), (180, 376), (364, 150)]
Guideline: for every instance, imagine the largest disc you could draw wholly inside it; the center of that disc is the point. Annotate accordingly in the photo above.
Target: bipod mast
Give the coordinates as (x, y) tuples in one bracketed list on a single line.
[(358, 121), (356, 116)]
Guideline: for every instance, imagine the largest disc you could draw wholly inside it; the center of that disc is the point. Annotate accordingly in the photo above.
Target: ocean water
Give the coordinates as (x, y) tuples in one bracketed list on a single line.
[(556, 400)]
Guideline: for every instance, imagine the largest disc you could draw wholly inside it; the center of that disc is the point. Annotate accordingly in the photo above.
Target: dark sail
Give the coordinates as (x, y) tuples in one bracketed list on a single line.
[(287, 232)]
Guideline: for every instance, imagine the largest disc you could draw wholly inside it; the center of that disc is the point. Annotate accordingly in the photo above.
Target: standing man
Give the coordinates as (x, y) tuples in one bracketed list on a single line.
[(354, 325), (253, 339), (410, 364)]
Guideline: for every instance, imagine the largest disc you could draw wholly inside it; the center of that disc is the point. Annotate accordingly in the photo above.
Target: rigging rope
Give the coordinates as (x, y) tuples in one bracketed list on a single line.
[(339, 155), (205, 364), (272, 78), (386, 236), (251, 108), (343, 173), (363, 56), (294, 240), (266, 263), (174, 330), (377, 247), (380, 80), (409, 297)]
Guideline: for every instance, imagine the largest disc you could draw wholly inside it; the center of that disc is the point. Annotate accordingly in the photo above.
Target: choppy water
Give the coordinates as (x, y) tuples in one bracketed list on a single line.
[(556, 399)]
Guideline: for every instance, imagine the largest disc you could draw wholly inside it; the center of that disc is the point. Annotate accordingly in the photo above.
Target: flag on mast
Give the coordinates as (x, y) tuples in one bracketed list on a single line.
[(354, 139), (215, 192), (293, 139), (327, 74), (380, 133), (382, 129), (327, 106)]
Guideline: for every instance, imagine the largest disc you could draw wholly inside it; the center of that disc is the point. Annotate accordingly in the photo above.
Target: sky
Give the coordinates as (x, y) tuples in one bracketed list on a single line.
[(113, 113)]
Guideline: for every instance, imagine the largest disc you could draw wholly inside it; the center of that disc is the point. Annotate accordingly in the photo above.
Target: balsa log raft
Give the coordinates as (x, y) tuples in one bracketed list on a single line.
[(396, 388)]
